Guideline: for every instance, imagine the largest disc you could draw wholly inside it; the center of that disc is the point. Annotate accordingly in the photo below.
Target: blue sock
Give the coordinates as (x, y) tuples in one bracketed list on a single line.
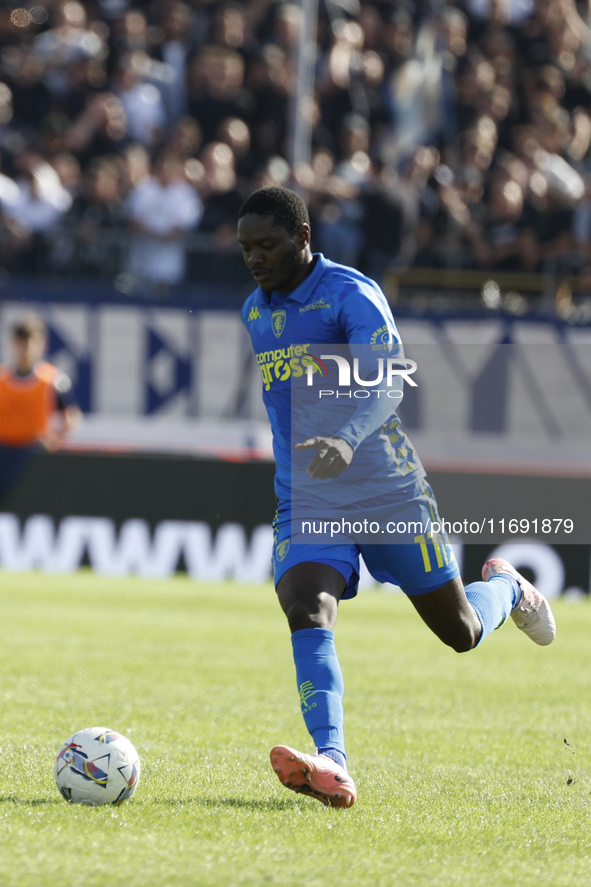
[(321, 688), (493, 601), (336, 755)]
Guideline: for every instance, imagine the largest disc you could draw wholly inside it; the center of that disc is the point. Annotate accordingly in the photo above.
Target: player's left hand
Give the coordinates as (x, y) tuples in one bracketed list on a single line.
[(333, 456), (51, 441)]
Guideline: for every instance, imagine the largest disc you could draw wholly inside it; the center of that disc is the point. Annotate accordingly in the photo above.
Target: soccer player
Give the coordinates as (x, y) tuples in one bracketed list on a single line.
[(304, 298), (37, 406)]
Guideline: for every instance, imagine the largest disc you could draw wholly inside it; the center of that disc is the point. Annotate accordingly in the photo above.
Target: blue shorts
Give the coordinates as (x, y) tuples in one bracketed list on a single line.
[(417, 567)]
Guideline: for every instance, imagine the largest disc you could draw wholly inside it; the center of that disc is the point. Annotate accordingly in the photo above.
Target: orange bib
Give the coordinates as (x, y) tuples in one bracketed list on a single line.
[(26, 404)]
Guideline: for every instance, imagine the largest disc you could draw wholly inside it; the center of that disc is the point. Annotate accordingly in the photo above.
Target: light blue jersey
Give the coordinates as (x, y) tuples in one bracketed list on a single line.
[(334, 305)]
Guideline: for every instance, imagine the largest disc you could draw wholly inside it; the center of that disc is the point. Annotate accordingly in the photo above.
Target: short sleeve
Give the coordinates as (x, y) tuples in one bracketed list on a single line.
[(365, 316), (64, 392)]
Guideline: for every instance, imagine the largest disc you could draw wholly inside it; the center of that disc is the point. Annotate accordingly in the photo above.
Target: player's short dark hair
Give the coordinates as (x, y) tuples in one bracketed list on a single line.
[(286, 208), (28, 326)]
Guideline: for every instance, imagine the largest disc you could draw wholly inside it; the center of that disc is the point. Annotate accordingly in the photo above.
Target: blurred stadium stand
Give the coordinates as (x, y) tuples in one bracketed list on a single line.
[(447, 141)]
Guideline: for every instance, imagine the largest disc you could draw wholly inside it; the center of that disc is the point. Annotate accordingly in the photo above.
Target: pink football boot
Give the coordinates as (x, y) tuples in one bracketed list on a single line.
[(532, 614), (315, 775)]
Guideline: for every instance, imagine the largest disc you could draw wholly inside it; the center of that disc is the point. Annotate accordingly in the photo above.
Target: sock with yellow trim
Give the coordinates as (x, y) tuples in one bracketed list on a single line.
[(321, 688)]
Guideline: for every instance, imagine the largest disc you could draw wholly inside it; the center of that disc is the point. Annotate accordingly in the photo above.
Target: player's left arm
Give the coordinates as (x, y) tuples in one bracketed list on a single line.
[(365, 317), (67, 417)]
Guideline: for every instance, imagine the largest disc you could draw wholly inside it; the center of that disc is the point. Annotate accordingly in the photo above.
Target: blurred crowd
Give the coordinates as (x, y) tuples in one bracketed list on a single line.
[(442, 135)]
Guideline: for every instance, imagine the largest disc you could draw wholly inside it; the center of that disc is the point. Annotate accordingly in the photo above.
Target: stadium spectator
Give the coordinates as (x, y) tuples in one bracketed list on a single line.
[(229, 26), (220, 194), (174, 51), (390, 205), (269, 81), (37, 406), (216, 89), (38, 203), (69, 173), (96, 210), (340, 234), (340, 74), (100, 129), (31, 99), (141, 99), (287, 25), (128, 33), (236, 134), (135, 166), (185, 138), (70, 41), (161, 209), (274, 172)]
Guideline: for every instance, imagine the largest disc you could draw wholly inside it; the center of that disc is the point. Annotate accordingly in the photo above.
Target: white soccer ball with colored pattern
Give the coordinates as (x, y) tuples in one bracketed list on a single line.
[(97, 766)]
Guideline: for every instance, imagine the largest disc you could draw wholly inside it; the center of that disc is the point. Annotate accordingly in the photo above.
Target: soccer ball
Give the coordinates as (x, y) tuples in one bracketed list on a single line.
[(97, 766)]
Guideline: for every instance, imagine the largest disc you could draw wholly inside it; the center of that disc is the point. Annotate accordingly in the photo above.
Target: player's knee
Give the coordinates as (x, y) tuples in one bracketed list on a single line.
[(463, 646), (306, 611), (464, 638)]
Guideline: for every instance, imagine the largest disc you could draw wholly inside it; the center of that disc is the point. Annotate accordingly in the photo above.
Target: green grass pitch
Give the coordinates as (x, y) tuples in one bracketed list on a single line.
[(463, 773)]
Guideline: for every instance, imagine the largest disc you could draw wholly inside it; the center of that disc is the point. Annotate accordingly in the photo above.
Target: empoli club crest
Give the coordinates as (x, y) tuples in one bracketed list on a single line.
[(278, 320), (282, 549)]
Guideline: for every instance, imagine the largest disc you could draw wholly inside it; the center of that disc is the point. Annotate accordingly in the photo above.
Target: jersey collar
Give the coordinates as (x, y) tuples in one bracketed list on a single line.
[(305, 289)]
